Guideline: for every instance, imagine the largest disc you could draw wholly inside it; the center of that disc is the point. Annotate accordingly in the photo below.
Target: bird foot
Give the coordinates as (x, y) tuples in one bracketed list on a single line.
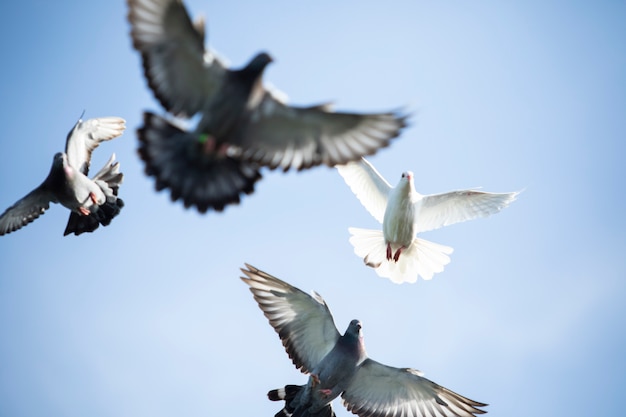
[(397, 254), (315, 378), (388, 251), (84, 211), (93, 198), (326, 392)]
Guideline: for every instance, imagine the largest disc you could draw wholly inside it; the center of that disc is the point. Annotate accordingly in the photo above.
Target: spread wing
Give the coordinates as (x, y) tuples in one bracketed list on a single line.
[(303, 322), (438, 210), (25, 210), (85, 136), (180, 72), (379, 390), (368, 185), (279, 135)]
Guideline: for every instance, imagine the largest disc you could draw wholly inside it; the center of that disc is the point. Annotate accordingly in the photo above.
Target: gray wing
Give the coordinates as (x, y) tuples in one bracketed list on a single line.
[(368, 185), (25, 210), (182, 75), (379, 390), (86, 135), (278, 135), (438, 210), (303, 323)]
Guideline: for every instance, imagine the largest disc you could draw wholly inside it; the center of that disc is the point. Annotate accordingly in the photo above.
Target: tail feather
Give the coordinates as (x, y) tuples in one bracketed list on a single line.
[(109, 179), (293, 406), (195, 174), (423, 258)]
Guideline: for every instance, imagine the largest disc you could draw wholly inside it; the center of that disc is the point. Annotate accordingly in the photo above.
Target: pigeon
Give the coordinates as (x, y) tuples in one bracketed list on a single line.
[(242, 124), (395, 252), (93, 202), (338, 365)]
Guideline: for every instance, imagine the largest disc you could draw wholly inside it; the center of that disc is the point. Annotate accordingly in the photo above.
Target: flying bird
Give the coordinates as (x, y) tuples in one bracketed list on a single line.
[(93, 202), (243, 124), (395, 252), (338, 365)]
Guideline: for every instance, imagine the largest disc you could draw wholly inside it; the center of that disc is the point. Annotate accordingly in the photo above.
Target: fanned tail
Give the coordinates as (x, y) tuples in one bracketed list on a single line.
[(423, 258), (109, 179), (186, 164), (293, 406)]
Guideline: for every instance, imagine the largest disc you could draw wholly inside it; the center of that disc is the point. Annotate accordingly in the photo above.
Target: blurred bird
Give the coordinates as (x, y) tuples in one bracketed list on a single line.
[(395, 252), (338, 364), (243, 124), (93, 202)]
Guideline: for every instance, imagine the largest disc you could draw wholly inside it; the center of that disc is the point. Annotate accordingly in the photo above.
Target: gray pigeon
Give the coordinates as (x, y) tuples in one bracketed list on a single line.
[(243, 124), (92, 201), (339, 366)]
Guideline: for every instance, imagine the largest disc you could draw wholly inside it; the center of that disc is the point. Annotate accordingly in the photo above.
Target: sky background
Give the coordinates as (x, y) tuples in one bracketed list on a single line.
[(148, 317)]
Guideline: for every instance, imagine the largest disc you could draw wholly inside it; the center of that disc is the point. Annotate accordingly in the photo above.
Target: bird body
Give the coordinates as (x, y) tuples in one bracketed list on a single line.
[(92, 202), (243, 124), (395, 252), (398, 221), (339, 365)]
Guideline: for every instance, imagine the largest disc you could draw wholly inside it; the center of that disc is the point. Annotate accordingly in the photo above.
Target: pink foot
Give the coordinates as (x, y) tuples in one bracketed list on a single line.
[(84, 211), (326, 392), (388, 251), (208, 143), (397, 255), (316, 379), (93, 198)]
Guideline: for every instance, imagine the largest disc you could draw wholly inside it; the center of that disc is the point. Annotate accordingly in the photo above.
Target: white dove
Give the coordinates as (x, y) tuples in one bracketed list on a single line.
[(395, 252)]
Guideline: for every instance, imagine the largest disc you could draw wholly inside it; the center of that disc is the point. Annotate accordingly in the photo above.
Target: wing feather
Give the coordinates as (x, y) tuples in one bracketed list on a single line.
[(180, 72), (379, 390), (303, 322), (438, 210), (368, 185)]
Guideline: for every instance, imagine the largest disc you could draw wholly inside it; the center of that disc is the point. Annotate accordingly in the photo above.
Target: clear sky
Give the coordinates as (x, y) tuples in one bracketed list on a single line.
[(147, 317)]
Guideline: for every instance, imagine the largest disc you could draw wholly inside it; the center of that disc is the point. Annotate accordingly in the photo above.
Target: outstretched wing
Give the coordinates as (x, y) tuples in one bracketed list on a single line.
[(182, 75), (303, 322), (25, 210), (279, 135), (379, 390), (438, 210), (86, 135), (368, 185)]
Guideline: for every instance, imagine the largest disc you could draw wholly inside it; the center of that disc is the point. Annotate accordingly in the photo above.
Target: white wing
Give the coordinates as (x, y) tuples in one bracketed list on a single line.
[(85, 136), (303, 323), (438, 210), (368, 185), (379, 390)]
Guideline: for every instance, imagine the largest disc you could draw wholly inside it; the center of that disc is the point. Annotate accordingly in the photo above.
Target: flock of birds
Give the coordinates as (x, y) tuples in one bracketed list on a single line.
[(245, 126)]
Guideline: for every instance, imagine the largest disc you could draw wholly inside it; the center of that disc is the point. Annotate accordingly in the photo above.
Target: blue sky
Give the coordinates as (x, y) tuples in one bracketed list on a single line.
[(148, 316)]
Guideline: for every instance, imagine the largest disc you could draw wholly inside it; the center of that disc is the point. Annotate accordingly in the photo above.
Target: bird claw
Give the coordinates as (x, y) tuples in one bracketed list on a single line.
[(397, 254), (93, 198), (326, 392), (388, 251), (315, 378), (84, 211)]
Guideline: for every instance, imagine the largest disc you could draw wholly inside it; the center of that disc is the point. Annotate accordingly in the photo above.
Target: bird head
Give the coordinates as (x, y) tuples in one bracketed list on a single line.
[(60, 162), (354, 329), (259, 62), (408, 175)]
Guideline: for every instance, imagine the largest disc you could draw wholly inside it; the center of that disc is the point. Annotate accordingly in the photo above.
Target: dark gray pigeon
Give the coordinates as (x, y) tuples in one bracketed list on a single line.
[(243, 124), (93, 202), (339, 366)]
